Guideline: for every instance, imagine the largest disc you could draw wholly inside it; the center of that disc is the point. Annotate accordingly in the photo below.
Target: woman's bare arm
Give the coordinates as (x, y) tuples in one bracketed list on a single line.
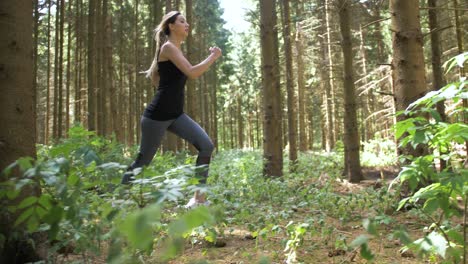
[(170, 52)]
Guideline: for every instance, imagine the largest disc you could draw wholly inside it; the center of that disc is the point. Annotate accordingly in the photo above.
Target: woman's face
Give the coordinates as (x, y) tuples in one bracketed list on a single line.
[(180, 27)]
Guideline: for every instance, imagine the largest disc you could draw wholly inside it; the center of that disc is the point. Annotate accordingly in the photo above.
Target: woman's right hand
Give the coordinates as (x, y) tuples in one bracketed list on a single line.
[(216, 52)]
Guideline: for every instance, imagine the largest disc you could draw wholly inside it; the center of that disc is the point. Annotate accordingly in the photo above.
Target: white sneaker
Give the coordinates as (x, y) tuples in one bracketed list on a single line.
[(192, 203)]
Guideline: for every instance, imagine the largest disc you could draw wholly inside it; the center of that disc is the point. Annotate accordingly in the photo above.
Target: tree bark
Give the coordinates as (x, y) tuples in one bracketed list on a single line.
[(110, 93), (68, 81), (47, 118), (240, 122), (18, 112), (91, 116), (291, 101), (437, 74), (327, 136), (191, 88), (77, 55), (60, 72), (331, 87), (271, 95), (461, 69), (56, 71), (301, 82), (35, 54), (351, 136), (408, 59), (168, 6)]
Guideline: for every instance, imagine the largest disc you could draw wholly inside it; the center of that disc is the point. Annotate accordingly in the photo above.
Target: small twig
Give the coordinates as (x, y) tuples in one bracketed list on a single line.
[(343, 232), (384, 93), (352, 256), (436, 30), (442, 8), (375, 22)]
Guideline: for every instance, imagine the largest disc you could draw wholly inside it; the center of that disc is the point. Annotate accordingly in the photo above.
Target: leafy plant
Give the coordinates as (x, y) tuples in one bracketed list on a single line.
[(442, 190)]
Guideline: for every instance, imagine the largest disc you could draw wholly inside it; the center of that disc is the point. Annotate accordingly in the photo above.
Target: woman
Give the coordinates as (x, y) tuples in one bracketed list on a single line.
[(165, 112)]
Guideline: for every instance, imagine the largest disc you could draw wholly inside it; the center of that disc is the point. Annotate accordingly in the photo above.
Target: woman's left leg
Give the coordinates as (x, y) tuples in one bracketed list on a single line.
[(189, 130)]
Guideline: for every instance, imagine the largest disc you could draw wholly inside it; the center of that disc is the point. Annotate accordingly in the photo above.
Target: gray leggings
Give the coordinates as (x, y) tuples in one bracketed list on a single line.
[(152, 132)]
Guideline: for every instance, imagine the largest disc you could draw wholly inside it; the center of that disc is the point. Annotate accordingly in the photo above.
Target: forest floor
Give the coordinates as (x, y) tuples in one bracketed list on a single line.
[(311, 215), (239, 247)]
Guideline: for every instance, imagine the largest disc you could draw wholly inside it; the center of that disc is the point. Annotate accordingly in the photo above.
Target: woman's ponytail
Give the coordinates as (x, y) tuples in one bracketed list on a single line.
[(160, 36)]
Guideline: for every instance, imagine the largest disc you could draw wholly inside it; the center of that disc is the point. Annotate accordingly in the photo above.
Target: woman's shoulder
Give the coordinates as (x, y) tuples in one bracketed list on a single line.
[(168, 46), (167, 49)]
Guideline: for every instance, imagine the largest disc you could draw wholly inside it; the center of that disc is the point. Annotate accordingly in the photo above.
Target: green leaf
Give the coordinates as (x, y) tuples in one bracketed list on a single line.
[(450, 64), (24, 215), (403, 126), (360, 240), (137, 227), (45, 201), (27, 202), (431, 205), (366, 253), (435, 115), (264, 260), (455, 236), (419, 137), (370, 227), (25, 163), (190, 220), (54, 215), (73, 179), (32, 224), (403, 236)]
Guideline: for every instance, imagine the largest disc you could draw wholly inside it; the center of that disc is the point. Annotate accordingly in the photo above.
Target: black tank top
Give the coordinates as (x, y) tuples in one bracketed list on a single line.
[(168, 102)]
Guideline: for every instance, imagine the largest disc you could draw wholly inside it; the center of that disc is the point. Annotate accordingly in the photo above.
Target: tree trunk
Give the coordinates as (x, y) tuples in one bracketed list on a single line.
[(240, 122), (191, 88), (121, 121), (223, 129), (271, 95), (461, 69), (292, 121), (110, 93), (136, 86), (408, 59), (330, 87), (47, 118), (78, 52), (168, 6), (100, 72), (351, 135), (60, 72), (67, 94), (214, 104), (35, 54), (91, 67), (327, 135), (367, 122), (56, 70), (131, 107), (18, 111), (438, 79)]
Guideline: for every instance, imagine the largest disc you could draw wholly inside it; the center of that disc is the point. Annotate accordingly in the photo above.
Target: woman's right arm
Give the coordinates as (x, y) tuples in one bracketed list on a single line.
[(172, 53)]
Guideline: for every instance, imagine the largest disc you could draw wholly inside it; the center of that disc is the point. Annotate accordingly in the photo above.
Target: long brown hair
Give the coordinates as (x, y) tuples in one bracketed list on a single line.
[(161, 34)]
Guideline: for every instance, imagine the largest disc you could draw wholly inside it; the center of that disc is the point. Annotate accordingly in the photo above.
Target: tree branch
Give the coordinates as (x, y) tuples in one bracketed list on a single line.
[(375, 22)]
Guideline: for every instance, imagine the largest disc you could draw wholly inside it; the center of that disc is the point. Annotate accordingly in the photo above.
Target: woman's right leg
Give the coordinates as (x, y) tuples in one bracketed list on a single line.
[(152, 132)]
